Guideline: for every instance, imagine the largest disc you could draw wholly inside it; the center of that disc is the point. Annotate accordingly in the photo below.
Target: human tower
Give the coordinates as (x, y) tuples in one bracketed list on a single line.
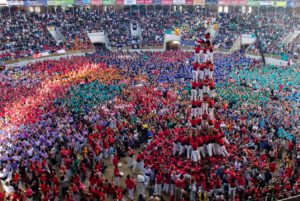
[(206, 138)]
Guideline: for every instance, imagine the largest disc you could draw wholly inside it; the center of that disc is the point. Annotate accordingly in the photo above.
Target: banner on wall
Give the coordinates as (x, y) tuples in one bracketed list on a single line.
[(148, 2), (266, 3), (156, 1), (189, 2), (166, 2), (214, 2), (3, 3), (67, 2), (15, 3), (96, 2), (129, 2), (178, 2), (54, 2), (232, 2), (35, 2), (253, 3), (279, 3), (140, 2), (82, 2), (110, 2), (199, 2), (293, 3)]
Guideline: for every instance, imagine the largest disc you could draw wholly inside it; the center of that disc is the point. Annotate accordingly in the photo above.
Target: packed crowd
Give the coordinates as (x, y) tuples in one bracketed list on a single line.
[(24, 33), (61, 120)]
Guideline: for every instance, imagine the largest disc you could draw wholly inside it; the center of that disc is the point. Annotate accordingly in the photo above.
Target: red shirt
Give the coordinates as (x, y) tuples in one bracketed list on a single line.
[(194, 144), (197, 49), (195, 66), (194, 85), (158, 179), (130, 183), (116, 172)]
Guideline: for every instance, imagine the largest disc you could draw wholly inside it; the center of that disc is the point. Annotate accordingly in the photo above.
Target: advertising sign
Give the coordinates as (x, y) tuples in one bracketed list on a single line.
[(129, 2), (35, 2), (178, 2), (109, 2), (166, 2), (15, 3), (199, 2)]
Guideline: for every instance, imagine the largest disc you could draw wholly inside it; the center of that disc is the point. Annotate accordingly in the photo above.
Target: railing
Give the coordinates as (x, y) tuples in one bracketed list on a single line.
[(50, 55), (143, 48)]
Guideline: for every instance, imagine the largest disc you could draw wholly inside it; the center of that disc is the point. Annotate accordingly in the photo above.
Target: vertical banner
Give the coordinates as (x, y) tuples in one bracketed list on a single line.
[(156, 1), (15, 3), (129, 2), (178, 2), (166, 2), (199, 2), (96, 2), (110, 2)]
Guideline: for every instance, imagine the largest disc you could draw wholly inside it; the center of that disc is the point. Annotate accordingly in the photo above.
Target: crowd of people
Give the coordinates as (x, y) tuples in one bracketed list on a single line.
[(66, 123), (24, 34)]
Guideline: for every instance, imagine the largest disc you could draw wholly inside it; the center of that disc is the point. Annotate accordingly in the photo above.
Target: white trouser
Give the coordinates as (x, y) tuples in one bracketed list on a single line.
[(157, 189), (194, 94), (176, 148), (216, 149), (166, 187), (200, 94), (130, 193), (182, 149), (212, 94), (206, 89), (130, 162), (211, 57), (205, 57), (211, 113), (195, 75), (194, 112), (201, 74), (141, 188), (197, 57), (199, 111), (232, 191), (205, 107), (223, 151), (206, 72), (211, 74), (117, 181), (140, 165), (209, 149), (202, 151), (196, 156), (105, 153), (188, 151)]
